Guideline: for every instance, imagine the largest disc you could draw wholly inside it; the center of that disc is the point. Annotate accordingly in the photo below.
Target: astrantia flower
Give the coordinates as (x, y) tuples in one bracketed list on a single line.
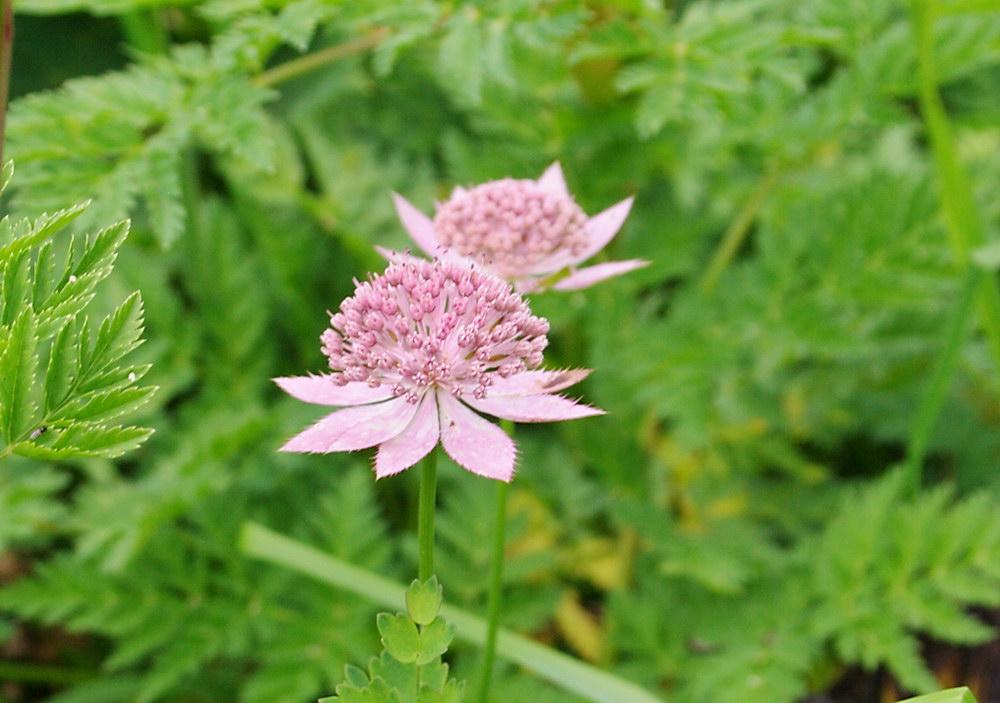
[(527, 232), (414, 352)]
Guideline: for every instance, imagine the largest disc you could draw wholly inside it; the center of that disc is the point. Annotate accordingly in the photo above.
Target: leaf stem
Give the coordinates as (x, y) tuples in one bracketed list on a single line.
[(737, 232), (965, 228), (937, 387), (310, 62), (496, 582), (427, 503), (6, 48)]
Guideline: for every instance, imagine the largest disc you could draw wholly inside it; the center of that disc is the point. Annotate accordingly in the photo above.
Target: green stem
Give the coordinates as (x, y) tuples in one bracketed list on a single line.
[(962, 220), (39, 673), (144, 31), (425, 515), (318, 59), (569, 673), (6, 47), (937, 388), (737, 232), (496, 582)]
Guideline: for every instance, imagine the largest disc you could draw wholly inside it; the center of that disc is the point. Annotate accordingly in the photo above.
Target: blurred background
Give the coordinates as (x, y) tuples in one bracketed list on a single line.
[(814, 181)]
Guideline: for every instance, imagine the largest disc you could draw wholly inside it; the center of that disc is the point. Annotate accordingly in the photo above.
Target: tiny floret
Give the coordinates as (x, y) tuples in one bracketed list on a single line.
[(413, 350), (529, 232)]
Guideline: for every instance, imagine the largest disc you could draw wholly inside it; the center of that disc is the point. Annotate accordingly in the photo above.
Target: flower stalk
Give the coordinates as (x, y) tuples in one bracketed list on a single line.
[(427, 503)]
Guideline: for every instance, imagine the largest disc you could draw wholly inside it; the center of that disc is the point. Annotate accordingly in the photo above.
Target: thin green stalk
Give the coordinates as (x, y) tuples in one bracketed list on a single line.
[(6, 47), (496, 582), (965, 228), (937, 387), (318, 59), (144, 31), (39, 673), (569, 673), (737, 232), (425, 514)]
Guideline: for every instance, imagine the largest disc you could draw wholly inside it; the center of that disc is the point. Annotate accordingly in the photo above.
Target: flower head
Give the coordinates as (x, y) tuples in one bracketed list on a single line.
[(525, 231), (413, 350)]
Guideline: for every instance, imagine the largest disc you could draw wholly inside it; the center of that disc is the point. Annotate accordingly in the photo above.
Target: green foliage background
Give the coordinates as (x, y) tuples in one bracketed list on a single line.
[(733, 530)]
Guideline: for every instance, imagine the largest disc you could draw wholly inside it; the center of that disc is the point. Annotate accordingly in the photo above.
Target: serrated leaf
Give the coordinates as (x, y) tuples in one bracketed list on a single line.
[(43, 275), (17, 376), (13, 287), (83, 440), (423, 600), (399, 636), (162, 191), (43, 227), (100, 251), (119, 333), (434, 640), (378, 691), (62, 367), (104, 405), (453, 692)]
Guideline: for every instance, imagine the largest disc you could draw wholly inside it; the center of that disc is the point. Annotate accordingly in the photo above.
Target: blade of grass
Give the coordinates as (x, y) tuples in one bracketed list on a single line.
[(937, 387), (961, 216), (951, 695), (563, 670)]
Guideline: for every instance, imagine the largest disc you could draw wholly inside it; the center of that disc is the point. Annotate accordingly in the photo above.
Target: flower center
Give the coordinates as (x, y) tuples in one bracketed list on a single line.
[(433, 323), (514, 224)]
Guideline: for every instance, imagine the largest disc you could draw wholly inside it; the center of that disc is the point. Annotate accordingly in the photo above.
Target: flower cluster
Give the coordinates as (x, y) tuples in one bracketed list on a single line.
[(414, 352), (529, 232)]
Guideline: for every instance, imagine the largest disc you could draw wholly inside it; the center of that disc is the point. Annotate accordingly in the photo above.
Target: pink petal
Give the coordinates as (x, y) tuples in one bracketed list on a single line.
[(535, 382), (584, 278), (543, 407), (321, 390), (420, 227), (602, 227), (553, 181), (354, 428), (412, 444), (473, 442)]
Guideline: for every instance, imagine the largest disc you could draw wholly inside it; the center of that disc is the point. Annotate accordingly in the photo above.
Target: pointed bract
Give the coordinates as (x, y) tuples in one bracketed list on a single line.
[(322, 390), (420, 227), (535, 382), (353, 428), (533, 408), (475, 443), (412, 444), (554, 181), (584, 278)]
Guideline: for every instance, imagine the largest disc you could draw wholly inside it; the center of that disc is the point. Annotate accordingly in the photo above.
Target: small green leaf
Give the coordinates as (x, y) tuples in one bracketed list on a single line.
[(453, 692), (62, 368), (13, 287), (119, 333), (17, 375), (84, 439), (104, 405), (399, 636), (378, 691), (434, 640), (43, 227), (950, 695), (355, 676), (423, 600)]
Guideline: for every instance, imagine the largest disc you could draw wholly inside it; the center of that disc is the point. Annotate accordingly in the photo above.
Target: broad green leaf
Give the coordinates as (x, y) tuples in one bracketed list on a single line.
[(950, 695), (434, 640), (423, 600), (399, 636), (17, 376)]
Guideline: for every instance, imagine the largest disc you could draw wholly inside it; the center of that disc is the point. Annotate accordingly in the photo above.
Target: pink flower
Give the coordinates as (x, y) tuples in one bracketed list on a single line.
[(414, 351), (527, 232)]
